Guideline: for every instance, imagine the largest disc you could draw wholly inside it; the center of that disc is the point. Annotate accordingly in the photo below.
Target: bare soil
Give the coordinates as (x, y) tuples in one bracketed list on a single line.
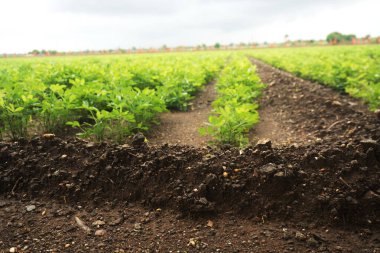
[(316, 189), (297, 111), (183, 127)]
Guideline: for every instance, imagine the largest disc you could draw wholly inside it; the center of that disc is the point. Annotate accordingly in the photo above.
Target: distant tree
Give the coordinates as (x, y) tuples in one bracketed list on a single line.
[(217, 45), (349, 37), (35, 52), (339, 37), (334, 36)]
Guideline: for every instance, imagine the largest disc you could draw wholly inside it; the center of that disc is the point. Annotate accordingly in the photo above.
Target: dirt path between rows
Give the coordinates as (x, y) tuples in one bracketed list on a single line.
[(183, 127), (297, 111)]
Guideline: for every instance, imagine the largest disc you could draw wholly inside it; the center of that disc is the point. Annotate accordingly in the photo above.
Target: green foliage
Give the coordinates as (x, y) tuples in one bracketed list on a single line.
[(232, 123), (350, 69), (235, 111), (339, 37), (56, 108), (2, 104), (16, 111), (114, 124), (106, 97)]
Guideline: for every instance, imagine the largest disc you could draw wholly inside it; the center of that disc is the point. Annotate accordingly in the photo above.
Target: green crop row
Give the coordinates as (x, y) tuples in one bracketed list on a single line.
[(104, 96), (353, 69), (235, 110)]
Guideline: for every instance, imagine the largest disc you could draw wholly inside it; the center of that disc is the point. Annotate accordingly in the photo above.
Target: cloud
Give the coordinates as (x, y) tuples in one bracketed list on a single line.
[(168, 7), (118, 7), (103, 24)]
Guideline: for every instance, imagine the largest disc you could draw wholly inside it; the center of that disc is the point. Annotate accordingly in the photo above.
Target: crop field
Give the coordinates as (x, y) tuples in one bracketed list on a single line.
[(104, 97), (355, 70), (259, 150)]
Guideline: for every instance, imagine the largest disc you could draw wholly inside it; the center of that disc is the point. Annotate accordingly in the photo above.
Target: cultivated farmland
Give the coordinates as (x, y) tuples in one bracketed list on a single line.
[(218, 151)]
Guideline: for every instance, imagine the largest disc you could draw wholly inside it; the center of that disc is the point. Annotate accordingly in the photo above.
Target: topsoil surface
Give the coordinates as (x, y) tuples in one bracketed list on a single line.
[(183, 127), (315, 187), (297, 111)]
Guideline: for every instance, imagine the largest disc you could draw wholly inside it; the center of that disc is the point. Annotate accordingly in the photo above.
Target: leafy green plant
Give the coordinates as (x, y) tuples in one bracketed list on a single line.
[(235, 111), (56, 108), (232, 124), (104, 124), (145, 105), (18, 115), (2, 125)]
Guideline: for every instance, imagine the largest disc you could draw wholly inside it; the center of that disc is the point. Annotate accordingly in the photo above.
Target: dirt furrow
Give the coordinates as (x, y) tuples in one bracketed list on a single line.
[(182, 127), (297, 111)]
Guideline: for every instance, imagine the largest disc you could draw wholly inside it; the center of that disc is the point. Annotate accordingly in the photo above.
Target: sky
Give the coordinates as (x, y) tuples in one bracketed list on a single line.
[(73, 25)]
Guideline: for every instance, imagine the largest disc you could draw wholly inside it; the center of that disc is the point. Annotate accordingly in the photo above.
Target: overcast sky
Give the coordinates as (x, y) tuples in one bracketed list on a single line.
[(109, 24)]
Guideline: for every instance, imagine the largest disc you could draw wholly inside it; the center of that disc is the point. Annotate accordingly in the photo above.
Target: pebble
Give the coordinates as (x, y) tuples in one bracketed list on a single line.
[(30, 208), (268, 168), (100, 232), (137, 226), (203, 201), (192, 242), (13, 249), (300, 236), (279, 174), (98, 223), (117, 221)]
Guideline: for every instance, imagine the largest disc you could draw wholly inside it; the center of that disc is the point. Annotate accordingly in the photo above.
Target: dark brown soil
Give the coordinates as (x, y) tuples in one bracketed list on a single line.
[(297, 111), (183, 127), (315, 190)]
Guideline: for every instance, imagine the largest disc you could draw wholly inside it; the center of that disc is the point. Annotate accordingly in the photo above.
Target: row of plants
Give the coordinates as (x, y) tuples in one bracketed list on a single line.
[(235, 109), (352, 69), (105, 97)]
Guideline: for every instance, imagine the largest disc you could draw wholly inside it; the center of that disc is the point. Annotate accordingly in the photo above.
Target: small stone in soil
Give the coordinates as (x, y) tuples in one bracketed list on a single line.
[(98, 223), (137, 226), (117, 221), (100, 232), (300, 236), (268, 168), (192, 242), (30, 208)]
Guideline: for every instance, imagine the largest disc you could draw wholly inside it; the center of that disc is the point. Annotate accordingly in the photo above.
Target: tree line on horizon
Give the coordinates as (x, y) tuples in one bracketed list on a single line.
[(333, 38)]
